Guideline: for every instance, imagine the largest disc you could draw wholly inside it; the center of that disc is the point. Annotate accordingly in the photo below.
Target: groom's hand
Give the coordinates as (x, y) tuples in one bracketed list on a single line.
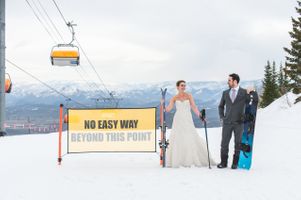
[(221, 121), (250, 89)]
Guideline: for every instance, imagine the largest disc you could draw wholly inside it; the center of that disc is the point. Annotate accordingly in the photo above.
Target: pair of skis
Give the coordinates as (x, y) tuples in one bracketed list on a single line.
[(164, 142)]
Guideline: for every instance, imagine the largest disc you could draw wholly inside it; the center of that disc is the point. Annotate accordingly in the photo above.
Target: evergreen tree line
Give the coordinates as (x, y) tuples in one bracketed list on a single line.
[(289, 77), (275, 83)]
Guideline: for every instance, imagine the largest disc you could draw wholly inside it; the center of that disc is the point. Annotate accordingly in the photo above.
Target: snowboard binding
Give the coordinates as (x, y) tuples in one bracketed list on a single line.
[(246, 148)]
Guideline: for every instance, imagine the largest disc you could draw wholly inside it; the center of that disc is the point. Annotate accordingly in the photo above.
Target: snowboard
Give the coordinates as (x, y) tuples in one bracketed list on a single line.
[(246, 148)]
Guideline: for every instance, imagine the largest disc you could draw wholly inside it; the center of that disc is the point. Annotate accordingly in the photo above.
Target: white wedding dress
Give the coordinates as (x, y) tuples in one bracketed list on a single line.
[(186, 148)]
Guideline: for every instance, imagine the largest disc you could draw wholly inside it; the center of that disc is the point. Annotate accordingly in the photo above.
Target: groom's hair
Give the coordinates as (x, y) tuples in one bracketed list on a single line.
[(235, 77), (179, 82)]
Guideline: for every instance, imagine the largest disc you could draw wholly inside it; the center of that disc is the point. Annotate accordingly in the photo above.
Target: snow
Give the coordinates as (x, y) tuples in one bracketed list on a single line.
[(283, 111), (28, 168)]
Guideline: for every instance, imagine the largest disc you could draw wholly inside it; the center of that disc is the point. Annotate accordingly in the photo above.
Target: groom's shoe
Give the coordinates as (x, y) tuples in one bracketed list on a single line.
[(223, 163), (234, 166), (235, 162)]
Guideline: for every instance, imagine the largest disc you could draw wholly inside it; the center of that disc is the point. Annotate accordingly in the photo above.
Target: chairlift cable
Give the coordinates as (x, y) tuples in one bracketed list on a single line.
[(52, 23), (44, 26), (45, 84), (81, 48), (34, 12), (42, 17)]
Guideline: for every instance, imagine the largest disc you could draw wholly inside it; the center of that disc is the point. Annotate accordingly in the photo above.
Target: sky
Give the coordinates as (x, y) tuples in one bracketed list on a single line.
[(139, 41)]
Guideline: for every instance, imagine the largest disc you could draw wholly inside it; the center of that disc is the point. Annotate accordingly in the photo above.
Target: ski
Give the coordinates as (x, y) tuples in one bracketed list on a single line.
[(246, 149), (163, 142)]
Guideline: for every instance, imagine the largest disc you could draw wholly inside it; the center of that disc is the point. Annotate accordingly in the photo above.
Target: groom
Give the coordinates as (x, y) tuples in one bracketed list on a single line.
[(234, 99)]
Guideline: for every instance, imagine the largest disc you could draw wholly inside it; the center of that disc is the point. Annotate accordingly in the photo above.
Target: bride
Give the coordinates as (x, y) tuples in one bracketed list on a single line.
[(186, 147)]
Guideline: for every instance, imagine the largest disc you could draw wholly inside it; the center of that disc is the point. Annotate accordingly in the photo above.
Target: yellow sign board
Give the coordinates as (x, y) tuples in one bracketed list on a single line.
[(112, 130)]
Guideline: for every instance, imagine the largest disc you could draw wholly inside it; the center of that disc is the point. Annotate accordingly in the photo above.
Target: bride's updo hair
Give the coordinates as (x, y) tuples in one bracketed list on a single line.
[(179, 82)]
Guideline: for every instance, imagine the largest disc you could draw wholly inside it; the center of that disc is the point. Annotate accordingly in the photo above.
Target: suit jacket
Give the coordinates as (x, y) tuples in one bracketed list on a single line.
[(234, 111)]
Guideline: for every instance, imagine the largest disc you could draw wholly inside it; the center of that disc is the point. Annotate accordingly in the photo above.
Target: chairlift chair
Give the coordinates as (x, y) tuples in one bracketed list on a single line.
[(65, 54), (8, 84), (66, 118)]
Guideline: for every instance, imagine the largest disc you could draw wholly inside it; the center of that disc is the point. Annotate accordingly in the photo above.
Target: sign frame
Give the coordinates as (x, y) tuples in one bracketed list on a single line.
[(155, 130)]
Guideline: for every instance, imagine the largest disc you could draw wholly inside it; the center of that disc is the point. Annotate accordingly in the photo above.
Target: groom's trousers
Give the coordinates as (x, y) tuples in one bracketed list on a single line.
[(228, 129)]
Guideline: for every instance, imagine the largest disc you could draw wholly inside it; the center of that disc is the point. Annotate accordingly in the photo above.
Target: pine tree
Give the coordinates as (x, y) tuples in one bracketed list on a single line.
[(275, 86), (270, 87), (293, 60), (282, 80)]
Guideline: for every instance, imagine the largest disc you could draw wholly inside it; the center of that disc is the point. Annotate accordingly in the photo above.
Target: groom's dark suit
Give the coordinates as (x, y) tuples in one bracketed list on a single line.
[(232, 120)]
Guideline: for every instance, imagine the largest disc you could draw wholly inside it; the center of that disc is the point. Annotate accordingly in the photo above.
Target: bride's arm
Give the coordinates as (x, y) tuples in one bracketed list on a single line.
[(170, 105), (193, 106)]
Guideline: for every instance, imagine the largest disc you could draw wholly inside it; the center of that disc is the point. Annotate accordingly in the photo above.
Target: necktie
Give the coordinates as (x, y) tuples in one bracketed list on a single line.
[(233, 95)]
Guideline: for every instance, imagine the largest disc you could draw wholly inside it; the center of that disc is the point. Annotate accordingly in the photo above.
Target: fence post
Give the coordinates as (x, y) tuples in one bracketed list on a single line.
[(60, 135)]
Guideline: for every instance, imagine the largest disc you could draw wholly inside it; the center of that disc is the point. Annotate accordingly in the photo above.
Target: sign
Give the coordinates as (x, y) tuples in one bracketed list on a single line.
[(112, 130)]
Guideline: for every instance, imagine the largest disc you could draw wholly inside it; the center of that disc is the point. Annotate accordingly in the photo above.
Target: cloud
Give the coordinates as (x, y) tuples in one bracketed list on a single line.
[(157, 40)]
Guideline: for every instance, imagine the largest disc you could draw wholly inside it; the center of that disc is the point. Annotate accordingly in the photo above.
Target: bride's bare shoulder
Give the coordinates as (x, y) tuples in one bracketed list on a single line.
[(189, 95), (174, 98)]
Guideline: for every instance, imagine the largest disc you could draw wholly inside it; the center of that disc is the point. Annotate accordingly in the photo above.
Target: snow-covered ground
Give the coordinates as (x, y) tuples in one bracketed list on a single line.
[(28, 168)]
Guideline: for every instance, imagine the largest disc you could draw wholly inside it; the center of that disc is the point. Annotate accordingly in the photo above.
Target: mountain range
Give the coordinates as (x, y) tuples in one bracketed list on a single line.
[(37, 102)]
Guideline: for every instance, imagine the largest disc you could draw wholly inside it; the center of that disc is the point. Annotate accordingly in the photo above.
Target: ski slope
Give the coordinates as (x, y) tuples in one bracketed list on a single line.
[(29, 171)]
